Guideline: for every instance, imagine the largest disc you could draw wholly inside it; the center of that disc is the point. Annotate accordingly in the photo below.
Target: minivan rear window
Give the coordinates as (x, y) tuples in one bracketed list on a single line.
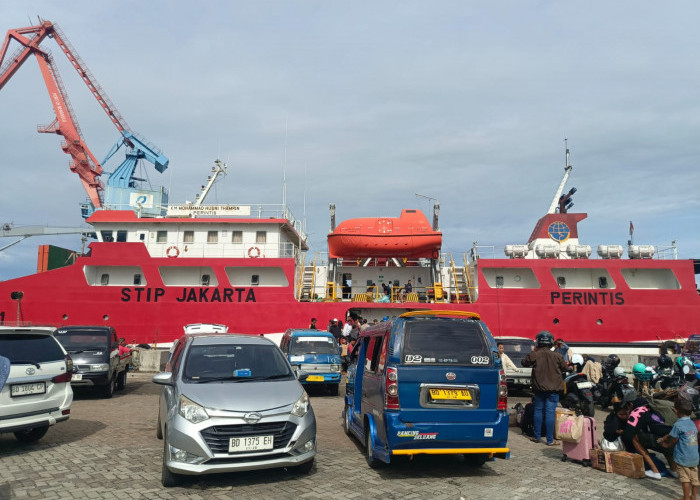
[(30, 348), (445, 341)]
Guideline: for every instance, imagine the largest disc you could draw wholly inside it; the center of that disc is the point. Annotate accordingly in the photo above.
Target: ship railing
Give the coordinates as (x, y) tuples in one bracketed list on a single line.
[(226, 250), (383, 262)]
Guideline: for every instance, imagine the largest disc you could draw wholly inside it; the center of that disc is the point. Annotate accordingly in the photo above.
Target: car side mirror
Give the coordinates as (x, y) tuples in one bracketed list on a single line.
[(163, 378)]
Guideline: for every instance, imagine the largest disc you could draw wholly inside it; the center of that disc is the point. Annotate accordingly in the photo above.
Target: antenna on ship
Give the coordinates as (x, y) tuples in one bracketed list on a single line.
[(563, 202), (436, 209), (284, 172)]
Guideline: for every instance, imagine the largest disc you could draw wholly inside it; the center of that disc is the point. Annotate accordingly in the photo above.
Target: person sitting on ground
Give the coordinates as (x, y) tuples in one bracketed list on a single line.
[(641, 432), (684, 440), (615, 423), (505, 360)]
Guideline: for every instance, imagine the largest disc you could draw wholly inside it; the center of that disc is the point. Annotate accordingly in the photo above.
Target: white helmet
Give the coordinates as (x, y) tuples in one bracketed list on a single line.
[(619, 372), (577, 359)]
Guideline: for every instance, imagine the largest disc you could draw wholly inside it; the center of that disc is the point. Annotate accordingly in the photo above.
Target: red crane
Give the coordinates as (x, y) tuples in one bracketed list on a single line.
[(65, 124)]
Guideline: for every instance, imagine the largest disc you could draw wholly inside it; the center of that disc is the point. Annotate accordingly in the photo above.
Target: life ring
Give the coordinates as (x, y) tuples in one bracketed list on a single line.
[(172, 252), (253, 252)]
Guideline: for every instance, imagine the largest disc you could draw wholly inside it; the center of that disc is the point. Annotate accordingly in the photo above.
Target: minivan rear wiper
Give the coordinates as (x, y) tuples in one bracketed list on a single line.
[(25, 362)]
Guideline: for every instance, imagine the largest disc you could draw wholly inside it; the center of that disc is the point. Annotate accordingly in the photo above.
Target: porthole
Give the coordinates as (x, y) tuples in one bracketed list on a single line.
[(555, 321), (105, 317), (599, 322), (65, 317)]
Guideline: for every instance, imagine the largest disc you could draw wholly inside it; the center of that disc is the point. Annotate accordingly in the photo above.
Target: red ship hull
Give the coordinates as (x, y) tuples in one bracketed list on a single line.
[(156, 313)]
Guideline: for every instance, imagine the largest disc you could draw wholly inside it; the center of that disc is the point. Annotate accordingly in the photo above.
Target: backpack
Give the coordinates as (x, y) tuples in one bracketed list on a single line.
[(527, 423)]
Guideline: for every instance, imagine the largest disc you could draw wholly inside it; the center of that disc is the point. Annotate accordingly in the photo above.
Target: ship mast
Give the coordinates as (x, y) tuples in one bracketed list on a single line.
[(218, 169), (567, 171)]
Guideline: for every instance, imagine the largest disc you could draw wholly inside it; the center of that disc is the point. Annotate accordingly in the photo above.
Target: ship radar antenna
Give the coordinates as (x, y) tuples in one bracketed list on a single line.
[(563, 201)]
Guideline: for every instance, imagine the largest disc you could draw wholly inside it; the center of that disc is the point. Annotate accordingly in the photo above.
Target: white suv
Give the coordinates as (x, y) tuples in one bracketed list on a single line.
[(37, 392)]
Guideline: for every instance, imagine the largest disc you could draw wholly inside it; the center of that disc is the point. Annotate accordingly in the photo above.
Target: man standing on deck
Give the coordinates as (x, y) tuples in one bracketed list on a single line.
[(547, 380)]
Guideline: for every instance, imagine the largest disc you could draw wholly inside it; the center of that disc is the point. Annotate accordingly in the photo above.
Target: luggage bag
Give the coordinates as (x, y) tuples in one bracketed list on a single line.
[(581, 451)]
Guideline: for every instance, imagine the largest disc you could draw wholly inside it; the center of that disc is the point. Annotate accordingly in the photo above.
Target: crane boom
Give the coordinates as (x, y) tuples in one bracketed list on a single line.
[(83, 162)]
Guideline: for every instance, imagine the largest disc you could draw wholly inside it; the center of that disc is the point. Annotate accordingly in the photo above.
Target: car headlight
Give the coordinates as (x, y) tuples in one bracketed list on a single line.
[(301, 406), (191, 411), (102, 367), (335, 368)]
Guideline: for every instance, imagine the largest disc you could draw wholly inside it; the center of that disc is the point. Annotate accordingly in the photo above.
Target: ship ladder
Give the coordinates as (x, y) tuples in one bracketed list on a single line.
[(470, 285), (460, 279), (307, 280)]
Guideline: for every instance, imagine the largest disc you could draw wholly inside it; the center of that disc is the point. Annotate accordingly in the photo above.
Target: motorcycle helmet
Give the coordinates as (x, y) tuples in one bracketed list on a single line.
[(629, 394), (577, 359), (665, 361), (639, 369), (613, 360), (544, 339), (619, 371)]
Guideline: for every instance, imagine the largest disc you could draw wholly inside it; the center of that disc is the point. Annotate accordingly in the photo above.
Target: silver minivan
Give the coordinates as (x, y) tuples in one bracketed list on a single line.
[(232, 403), (36, 393)]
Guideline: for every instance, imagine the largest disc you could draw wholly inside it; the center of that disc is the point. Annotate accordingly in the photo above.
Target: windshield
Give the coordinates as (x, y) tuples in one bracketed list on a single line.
[(313, 345), (452, 341), (83, 340), (25, 347), (236, 362)]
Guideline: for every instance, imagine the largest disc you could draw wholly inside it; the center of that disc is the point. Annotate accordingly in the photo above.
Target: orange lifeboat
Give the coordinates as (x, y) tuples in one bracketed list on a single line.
[(409, 235)]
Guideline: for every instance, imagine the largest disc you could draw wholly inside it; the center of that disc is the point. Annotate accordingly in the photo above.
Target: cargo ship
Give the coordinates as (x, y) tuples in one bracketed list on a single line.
[(249, 267)]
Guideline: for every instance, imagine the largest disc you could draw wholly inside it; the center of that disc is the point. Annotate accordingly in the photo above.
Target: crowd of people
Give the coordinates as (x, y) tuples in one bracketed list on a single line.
[(632, 426)]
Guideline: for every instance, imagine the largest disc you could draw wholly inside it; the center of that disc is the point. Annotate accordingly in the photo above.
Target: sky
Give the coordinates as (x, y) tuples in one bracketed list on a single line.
[(366, 104)]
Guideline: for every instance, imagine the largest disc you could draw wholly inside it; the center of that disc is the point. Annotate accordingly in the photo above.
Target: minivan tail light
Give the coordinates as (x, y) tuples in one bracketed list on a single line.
[(502, 392), (391, 389), (64, 377)]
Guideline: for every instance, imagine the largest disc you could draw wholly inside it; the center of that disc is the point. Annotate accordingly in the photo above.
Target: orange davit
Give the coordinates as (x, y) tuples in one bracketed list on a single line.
[(409, 235)]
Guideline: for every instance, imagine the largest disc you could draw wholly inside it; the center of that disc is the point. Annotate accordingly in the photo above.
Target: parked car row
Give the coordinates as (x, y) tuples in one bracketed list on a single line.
[(426, 382)]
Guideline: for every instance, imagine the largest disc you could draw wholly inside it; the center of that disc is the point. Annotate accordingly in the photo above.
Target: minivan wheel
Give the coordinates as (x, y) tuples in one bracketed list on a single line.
[(371, 461), (475, 459), (167, 478), (31, 435), (346, 420)]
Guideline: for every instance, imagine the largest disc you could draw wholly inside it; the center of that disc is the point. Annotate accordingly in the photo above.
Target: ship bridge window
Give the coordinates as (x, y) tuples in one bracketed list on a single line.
[(121, 235), (212, 236), (236, 236), (107, 236), (651, 279), (188, 237), (266, 276), (162, 237), (509, 277), (188, 276), (261, 237)]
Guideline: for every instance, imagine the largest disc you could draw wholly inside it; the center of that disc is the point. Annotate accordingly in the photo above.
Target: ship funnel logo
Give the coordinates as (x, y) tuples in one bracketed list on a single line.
[(559, 231)]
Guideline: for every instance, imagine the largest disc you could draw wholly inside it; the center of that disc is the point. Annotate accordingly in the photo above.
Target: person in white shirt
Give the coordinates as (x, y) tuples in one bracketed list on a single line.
[(505, 360), (347, 328)]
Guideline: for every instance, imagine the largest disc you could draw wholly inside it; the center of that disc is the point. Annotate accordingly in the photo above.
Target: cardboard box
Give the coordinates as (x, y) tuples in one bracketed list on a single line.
[(628, 464), (559, 416), (602, 460)]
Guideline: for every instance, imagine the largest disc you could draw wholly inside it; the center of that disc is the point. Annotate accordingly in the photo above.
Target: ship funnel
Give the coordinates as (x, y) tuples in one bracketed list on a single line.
[(436, 213), (331, 208)]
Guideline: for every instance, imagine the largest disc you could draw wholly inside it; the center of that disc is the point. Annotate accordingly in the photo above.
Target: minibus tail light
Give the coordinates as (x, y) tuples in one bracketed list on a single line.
[(391, 389), (502, 391)]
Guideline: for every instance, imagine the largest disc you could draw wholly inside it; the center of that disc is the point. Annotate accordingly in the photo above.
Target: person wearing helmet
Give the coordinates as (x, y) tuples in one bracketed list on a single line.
[(615, 422), (547, 380), (577, 362)]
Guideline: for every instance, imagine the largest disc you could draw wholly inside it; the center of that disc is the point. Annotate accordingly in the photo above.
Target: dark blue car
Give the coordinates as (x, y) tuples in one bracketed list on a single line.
[(428, 382), (316, 353)]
